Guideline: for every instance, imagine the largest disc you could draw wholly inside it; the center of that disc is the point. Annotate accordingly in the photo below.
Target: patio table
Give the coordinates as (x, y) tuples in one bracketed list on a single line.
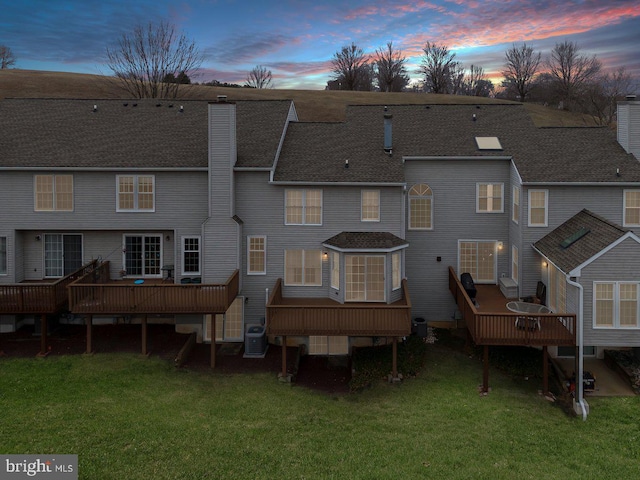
[(530, 320)]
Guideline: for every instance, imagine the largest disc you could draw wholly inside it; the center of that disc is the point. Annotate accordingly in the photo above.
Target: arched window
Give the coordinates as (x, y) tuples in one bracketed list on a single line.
[(420, 207)]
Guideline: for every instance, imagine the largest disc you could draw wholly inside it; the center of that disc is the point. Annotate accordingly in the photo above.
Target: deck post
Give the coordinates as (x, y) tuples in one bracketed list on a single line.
[(284, 356), (144, 335), (394, 361), (89, 333), (545, 370), (213, 340), (485, 373), (43, 336)]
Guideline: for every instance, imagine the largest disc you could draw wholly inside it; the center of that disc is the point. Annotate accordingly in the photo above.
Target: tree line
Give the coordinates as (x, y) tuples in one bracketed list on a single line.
[(155, 60)]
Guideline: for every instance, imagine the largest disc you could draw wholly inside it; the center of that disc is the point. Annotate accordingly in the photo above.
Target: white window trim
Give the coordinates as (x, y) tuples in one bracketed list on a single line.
[(304, 261), (335, 265), (430, 197), (515, 205), (624, 208), (616, 307), (362, 219), (135, 194), (489, 186), (546, 208), (183, 251), (515, 266), (304, 205), (396, 286), (264, 251), (384, 279), (53, 194)]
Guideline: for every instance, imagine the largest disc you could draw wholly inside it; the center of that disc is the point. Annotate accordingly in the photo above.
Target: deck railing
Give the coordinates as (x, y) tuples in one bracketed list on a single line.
[(95, 294), (326, 317), (508, 328), (41, 297)]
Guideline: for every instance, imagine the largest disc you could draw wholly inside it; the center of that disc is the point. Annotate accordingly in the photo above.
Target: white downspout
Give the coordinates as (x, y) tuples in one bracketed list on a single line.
[(580, 336)]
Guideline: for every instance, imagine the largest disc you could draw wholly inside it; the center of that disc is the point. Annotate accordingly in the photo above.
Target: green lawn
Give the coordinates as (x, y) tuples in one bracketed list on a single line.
[(129, 417)]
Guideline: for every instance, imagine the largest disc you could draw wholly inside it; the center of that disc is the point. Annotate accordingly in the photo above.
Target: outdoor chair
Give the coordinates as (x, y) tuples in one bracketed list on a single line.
[(540, 296)]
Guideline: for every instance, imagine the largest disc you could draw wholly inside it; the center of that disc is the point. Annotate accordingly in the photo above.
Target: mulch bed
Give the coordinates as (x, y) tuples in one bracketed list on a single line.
[(163, 341)]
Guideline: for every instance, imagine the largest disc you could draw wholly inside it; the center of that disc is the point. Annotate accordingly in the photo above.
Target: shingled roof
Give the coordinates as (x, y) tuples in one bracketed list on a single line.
[(142, 133), (316, 152), (590, 233), (365, 241)]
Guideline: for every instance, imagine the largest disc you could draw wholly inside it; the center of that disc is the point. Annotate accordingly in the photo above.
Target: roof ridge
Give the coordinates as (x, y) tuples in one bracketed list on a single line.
[(604, 220)]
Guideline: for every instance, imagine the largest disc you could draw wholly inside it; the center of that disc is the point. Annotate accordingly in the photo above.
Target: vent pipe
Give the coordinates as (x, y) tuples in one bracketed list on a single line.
[(388, 137)]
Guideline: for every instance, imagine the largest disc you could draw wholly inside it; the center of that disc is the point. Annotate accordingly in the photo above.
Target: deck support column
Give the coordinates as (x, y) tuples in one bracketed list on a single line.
[(144, 335), (284, 356), (89, 320), (43, 336), (485, 372), (545, 370), (213, 340), (394, 361)]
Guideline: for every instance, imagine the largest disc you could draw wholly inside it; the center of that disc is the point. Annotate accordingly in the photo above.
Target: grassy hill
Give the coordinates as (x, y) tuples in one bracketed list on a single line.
[(312, 105)]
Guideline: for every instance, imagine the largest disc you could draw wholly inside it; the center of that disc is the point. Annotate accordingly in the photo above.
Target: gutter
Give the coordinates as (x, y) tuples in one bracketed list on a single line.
[(584, 406)]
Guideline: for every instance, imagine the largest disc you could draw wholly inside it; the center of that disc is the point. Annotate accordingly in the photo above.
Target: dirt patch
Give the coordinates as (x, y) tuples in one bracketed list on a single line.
[(163, 341)]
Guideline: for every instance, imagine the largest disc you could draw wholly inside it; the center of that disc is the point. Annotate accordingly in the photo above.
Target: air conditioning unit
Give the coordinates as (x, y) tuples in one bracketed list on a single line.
[(255, 342)]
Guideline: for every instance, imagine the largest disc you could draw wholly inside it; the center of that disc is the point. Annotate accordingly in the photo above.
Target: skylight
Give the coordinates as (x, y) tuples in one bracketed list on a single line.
[(488, 143), (573, 238)]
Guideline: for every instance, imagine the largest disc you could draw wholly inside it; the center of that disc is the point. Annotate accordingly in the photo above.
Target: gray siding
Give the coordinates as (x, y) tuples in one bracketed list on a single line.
[(619, 264), (453, 183)]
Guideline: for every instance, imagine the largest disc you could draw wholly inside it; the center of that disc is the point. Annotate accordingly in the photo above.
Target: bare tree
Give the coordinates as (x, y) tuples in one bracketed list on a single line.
[(438, 66), (7, 58), (391, 73), (476, 83), (259, 77), (522, 65), (603, 93), (348, 67), (143, 59), (571, 70)]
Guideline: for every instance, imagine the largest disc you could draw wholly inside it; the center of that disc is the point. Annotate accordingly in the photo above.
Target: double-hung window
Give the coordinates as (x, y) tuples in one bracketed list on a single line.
[(303, 207), (396, 270), (335, 270), (53, 193), (489, 198), (615, 305), (191, 255), (135, 193), (631, 208), (538, 200), (303, 267), (515, 205), (370, 206), (257, 255)]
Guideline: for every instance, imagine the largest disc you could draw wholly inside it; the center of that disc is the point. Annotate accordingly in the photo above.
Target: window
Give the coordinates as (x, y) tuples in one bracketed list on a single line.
[(257, 255), (370, 206), (191, 255), (303, 267), (615, 304), (3, 255), (515, 205), (135, 193), (489, 198), (62, 254), (538, 208), (631, 208), (335, 270), (54, 193), (514, 263), (478, 259), (303, 207), (364, 278), (323, 345), (557, 290), (420, 207), (396, 270), (142, 255)]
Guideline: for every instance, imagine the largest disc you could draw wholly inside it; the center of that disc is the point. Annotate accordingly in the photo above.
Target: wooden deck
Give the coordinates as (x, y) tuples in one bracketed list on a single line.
[(491, 323), (97, 294), (41, 296), (323, 316)]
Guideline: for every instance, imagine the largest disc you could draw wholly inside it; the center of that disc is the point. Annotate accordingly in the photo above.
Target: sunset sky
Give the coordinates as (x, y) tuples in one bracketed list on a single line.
[(296, 39)]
